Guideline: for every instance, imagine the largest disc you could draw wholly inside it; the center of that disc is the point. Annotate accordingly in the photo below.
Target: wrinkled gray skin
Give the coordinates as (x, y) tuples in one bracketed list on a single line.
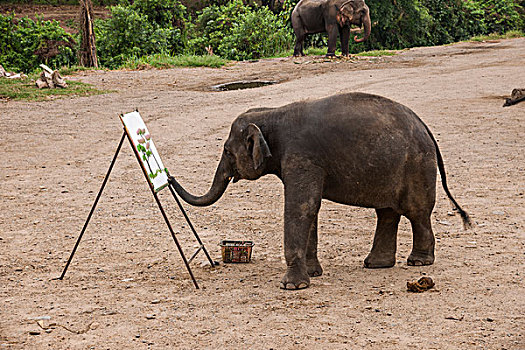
[(331, 16), (355, 149)]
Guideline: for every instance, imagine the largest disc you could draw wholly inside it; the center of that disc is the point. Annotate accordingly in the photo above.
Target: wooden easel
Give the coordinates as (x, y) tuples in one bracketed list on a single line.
[(126, 134)]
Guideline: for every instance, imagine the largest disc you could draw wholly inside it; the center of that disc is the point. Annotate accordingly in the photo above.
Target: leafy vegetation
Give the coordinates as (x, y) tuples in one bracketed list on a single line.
[(27, 43), (164, 33)]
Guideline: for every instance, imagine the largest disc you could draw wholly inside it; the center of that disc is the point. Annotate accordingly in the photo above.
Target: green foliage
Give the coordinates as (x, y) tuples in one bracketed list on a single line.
[(144, 28), (27, 43), (255, 34), (452, 20), (239, 32), (501, 16), (213, 24), (162, 33)]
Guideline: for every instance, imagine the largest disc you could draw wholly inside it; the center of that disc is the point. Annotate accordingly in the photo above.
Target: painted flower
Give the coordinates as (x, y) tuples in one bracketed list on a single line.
[(141, 140), (147, 136), (147, 145)]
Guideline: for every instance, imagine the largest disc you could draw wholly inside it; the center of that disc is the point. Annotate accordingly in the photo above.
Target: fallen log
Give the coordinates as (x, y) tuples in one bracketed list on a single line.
[(50, 79), (517, 96)]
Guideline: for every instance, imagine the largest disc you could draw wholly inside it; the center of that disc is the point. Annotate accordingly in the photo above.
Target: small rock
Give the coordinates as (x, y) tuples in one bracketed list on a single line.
[(150, 317), (127, 280), (488, 319), (156, 301), (43, 318), (34, 332), (445, 222), (498, 212)]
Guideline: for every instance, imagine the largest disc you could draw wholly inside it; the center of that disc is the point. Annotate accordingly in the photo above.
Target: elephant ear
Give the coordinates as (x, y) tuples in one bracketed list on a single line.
[(256, 145)]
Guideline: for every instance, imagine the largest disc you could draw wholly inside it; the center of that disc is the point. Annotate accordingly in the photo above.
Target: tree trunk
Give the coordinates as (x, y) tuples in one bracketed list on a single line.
[(88, 50)]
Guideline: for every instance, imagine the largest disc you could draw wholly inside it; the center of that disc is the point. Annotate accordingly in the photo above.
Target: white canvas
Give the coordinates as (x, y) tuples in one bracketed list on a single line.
[(143, 143)]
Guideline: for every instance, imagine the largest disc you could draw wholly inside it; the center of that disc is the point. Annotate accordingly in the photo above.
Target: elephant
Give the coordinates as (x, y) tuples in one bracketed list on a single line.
[(332, 16), (354, 148)]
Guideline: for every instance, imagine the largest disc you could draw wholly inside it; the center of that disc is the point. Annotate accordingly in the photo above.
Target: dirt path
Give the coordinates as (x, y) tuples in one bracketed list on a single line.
[(127, 287)]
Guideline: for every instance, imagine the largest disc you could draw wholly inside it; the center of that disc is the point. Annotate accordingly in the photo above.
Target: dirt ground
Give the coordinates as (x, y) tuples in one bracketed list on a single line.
[(67, 15), (127, 287)]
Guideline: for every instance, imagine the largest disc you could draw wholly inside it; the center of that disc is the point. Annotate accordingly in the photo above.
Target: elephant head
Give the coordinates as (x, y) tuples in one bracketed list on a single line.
[(244, 157), (355, 12)]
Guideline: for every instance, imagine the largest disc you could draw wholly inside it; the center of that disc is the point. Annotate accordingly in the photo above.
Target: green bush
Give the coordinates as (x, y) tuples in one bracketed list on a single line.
[(131, 33), (501, 16), (239, 32), (452, 20), (256, 34), (213, 24), (27, 43)]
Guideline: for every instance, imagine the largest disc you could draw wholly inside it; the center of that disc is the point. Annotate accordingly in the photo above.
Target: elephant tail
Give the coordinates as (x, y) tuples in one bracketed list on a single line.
[(467, 223)]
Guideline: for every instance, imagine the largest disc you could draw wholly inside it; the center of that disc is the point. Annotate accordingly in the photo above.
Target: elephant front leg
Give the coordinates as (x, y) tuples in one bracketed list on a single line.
[(332, 31), (312, 263), (345, 40), (303, 194)]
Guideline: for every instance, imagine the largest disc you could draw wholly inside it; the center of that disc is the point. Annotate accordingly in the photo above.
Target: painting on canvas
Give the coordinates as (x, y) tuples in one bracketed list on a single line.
[(143, 143)]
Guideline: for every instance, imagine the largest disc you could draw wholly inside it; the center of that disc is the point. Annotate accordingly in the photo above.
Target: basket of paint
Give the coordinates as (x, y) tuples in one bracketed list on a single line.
[(236, 251)]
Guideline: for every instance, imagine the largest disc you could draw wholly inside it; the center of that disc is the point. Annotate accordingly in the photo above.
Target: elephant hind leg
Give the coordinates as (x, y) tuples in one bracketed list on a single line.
[(423, 241), (300, 34), (299, 42), (383, 253)]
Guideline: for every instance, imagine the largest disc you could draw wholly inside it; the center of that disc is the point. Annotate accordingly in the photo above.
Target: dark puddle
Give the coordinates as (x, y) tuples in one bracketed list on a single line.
[(240, 85)]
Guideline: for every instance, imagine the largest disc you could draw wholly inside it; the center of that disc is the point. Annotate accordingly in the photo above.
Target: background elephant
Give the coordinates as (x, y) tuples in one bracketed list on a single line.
[(355, 149), (332, 16)]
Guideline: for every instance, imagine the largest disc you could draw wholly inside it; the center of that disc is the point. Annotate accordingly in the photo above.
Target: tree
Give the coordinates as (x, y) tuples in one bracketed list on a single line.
[(88, 50)]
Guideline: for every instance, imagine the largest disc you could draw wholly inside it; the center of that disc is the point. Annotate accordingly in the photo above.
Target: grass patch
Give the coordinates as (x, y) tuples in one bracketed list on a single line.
[(494, 36), (73, 69), (162, 61), (377, 53), (25, 89)]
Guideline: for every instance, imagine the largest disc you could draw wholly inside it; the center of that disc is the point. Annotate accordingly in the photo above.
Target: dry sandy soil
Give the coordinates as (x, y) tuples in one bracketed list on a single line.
[(127, 287)]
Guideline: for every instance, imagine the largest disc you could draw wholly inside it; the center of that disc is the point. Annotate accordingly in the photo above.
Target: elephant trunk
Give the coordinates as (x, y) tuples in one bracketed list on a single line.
[(367, 24), (220, 182)]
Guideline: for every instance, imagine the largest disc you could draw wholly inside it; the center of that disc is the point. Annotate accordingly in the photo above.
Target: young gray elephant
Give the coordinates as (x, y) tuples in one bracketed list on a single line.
[(333, 17), (357, 149)]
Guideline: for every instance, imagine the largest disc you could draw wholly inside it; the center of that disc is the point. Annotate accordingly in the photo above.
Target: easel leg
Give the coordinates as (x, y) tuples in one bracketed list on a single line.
[(163, 213), (175, 238), (94, 206), (201, 245)]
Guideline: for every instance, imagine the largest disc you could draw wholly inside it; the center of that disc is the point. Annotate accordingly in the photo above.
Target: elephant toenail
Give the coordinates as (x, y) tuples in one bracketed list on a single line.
[(290, 286), (282, 286), (302, 285)]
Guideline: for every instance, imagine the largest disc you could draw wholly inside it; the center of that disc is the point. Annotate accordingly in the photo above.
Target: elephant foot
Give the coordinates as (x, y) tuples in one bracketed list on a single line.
[(314, 268), (295, 279), (420, 259), (377, 262), (330, 55)]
